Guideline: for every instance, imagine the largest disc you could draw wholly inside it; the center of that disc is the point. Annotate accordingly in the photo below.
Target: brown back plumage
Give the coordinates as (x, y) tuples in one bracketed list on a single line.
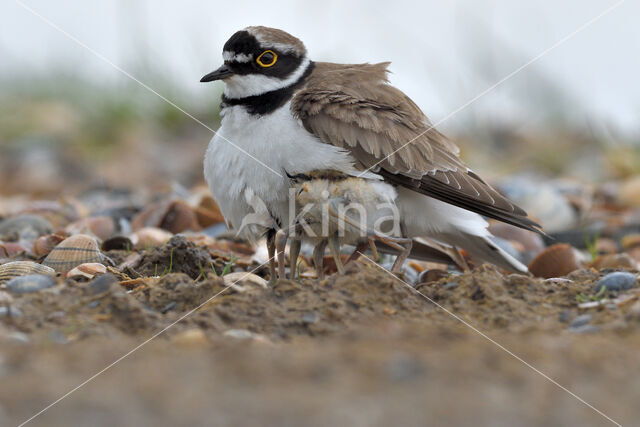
[(354, 107)]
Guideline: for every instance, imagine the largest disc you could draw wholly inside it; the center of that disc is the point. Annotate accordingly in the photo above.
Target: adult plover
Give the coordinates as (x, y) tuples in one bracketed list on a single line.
[(296, 116)]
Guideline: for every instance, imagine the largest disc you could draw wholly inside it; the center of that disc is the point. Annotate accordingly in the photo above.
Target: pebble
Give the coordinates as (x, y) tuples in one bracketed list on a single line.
[(19, 337), (57, 336), (581, 320), (10, 311), (629, 193), (310, 317), (101, 284), (451, 285), (555, 261), (168, 307), (30, 283), (542, 200), (618, 281), (584, 329), (402, 368), (26, 226), (564, 316), (242, 334), (191, 338), (613, 261)]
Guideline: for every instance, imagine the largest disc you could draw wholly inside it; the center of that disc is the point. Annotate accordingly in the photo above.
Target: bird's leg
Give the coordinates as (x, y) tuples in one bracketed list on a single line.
[(374, 249), (294, 251), (271, 249), (281, 244), (454, 254), (334, 248), (318, 258), (457, 257), (403, 244), (360, 247)]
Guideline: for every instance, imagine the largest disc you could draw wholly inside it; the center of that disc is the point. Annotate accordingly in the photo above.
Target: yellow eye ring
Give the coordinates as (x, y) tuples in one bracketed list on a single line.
[(270, 64)]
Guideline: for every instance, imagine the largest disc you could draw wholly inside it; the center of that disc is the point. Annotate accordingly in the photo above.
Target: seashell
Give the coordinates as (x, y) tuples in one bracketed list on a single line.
[(150, 237), (175, 216), (207, 212), (629, 192), (21, 268), (555, 261), (57, 213), (25, 227), (190, 338), (432, 275), (30, 283), (121, 243), (11, 249), (233, 280), (72, 252), (613, 261), (102, 227), (606, 246), (630, 241), (44, 244), (88, 270)]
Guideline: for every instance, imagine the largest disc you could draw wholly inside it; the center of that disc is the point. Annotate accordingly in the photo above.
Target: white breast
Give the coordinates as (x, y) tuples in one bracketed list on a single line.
[(279, 141)]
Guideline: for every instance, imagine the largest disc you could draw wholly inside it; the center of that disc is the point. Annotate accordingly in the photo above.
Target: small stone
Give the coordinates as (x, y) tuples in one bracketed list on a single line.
[(93, 304), (10, 311), (584, 329), (19, 337), (30, 283), (101, 284), (241, 334), (310, 317), (403, 368), (613, 261), (630, 241), (168, 307), (618, 281), (581, 320), (450, 285), (190, 337), (564, 316), (555, 261), (57, 336)]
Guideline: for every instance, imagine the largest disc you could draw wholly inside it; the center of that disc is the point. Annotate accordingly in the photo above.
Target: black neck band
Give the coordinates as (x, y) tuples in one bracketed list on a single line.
[(270, 101)]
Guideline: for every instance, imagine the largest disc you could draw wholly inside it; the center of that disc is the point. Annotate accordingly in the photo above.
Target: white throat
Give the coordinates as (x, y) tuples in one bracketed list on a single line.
[(241, 86)]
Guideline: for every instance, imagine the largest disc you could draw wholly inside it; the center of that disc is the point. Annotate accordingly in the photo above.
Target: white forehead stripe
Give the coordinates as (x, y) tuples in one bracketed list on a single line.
[(236, 57), (281, 47)]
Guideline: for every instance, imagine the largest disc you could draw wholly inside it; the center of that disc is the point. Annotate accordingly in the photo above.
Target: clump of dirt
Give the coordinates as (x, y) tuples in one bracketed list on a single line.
[(179, 292), (178, 256)]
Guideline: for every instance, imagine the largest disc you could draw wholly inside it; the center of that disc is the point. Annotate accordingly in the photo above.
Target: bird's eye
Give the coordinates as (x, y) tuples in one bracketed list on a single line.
[(267, 58)]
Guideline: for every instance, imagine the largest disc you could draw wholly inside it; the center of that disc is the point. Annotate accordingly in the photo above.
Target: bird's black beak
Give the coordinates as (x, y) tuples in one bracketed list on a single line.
[(221, 73)]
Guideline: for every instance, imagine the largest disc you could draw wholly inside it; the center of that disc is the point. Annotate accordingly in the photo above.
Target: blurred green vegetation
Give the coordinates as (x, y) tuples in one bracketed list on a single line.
[(66, 110), (101, 123)]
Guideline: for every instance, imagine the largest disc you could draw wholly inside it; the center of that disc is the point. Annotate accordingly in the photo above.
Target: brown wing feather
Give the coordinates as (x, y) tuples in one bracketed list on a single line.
[(355, 108)]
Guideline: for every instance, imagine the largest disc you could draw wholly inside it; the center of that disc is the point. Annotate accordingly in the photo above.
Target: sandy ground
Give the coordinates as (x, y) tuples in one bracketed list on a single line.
[(361, 349)]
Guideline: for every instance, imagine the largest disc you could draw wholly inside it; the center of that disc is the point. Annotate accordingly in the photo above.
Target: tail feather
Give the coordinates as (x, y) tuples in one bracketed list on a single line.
[(482, 248)]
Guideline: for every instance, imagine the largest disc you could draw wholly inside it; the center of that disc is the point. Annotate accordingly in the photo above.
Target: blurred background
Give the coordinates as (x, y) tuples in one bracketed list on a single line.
[(69, 119)]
